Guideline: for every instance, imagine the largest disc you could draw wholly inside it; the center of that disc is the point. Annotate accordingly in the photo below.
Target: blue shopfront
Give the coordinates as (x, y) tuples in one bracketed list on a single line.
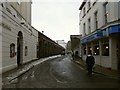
[(102, 33), (104, 45)]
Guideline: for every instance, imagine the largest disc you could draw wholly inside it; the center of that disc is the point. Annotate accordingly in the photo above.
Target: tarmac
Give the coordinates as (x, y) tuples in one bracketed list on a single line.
[(15, 73), (98, 69)]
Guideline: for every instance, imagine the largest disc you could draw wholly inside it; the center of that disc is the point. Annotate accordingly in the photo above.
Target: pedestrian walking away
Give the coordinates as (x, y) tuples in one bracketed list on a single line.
[(90, 61)]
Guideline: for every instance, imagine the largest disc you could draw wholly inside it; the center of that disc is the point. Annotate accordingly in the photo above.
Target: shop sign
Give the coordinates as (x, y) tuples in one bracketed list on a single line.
[(114, 29)]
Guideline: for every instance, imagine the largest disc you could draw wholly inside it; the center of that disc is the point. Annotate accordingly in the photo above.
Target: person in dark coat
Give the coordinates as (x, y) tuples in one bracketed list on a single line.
[(90, 61)]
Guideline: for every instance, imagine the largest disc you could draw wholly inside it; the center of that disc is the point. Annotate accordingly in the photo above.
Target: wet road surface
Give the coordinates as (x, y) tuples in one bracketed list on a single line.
[(61, 72)]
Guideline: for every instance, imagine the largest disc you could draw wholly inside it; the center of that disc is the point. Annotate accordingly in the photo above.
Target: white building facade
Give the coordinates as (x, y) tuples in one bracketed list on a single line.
[(100, 30), (18, 39), (62, 43), (75, 44)]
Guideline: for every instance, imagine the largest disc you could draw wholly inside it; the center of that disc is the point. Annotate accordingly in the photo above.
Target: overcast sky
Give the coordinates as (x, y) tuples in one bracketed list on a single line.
[(57, 18)]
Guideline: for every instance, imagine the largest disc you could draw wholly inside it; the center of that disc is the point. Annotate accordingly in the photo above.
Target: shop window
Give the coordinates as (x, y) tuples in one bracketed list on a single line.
[(26, 50), (96, 49), (105, 48), (12, 50), (84, 11), (89, 50)]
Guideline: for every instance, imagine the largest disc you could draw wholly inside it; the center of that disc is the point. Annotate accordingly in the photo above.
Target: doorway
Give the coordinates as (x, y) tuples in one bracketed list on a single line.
[(19, 48)]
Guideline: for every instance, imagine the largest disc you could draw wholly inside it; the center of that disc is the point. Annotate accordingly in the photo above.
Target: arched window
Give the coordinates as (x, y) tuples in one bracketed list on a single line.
[(12, 50)]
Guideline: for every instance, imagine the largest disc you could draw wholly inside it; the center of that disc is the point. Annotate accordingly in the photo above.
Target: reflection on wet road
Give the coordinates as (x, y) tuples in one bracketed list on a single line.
[(61, 72)]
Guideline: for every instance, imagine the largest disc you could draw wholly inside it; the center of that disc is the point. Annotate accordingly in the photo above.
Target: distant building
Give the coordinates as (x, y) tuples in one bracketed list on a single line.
[(100, 30), (75, 44), (68, 48), (62, 43)]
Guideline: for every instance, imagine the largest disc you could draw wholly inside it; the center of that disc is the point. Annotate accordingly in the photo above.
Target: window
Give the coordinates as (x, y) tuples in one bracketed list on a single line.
[(89, 25), (12, 50), (84, 29), (89, 49), (96, 20), (89, 4), (105, 48), (106, 12), (83, 11), (2, 5), (96, 48), (26, 50)]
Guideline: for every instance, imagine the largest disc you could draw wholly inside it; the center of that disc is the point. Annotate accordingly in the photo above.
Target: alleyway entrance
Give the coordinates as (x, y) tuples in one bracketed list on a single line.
[(19, 48)]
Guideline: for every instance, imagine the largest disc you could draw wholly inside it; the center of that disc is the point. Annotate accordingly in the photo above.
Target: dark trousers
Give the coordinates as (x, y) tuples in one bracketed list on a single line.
[(89, 68)]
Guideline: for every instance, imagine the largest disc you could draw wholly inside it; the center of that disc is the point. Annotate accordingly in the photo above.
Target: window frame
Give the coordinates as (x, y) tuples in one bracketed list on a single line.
[(12, 50), (26, 50), (89, 25), (105, 48), (84, 28), (96, 20), (105, 12)]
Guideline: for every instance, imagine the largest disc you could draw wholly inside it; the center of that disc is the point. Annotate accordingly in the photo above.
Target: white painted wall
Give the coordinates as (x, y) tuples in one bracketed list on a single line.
[(113, 15), (0, 40), (30, 39)]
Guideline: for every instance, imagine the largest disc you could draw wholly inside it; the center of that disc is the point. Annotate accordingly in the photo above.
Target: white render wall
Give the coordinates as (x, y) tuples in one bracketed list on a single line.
[(30, 39), (114, 14), (113, 10), (0, 40)]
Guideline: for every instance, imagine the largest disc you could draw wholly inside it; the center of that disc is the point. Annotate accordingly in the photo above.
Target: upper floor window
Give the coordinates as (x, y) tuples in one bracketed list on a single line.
[(84, 29), (106, 12), (89, 4), (89, 25), (83, 11), (96, 20)]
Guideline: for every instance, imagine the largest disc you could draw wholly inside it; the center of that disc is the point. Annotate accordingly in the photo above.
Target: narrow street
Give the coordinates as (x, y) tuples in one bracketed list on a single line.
[(60, 72)]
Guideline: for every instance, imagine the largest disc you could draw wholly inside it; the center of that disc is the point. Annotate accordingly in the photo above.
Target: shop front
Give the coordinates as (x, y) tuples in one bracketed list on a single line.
[(104, 44)]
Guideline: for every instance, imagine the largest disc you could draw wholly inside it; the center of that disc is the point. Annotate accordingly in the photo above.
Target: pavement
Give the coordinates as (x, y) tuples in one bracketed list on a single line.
[(8, 76), (98, 69)]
